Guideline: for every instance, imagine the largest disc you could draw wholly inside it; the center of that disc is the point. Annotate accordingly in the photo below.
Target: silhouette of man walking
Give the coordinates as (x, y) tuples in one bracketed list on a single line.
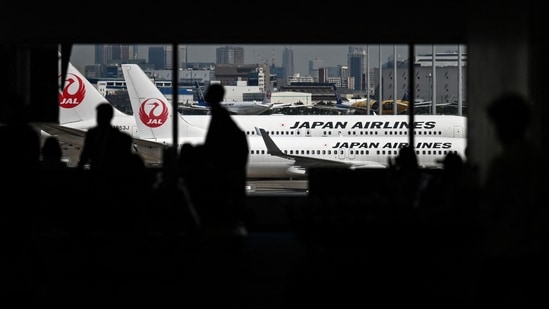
[(104, 145), (225, 140), (107, 150), (514, 210)]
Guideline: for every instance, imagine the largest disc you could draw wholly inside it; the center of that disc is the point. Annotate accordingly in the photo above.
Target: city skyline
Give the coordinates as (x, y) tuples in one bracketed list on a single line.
[(329, 55)]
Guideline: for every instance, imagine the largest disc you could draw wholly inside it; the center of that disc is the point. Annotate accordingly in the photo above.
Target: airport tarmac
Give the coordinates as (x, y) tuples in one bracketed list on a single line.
[(255, 186)]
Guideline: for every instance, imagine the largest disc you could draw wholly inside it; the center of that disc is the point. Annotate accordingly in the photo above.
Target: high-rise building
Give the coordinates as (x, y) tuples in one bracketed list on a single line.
[(157, 57), (162, 56), (181, 56), (323, 75), (288, 61), (110, 54), (229, 55), (314, 65), (356, 61)]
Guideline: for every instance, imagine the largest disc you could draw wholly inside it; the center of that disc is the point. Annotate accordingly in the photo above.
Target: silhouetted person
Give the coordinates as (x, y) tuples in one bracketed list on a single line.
[(174, 213), (19, 160), (106, 149), (221, 205), (20, 157), (514, 210), (52, 155), (108, 152), (192, 181), (226, 152), (406, 182), (453, 188), (104, 145), (22, 139)]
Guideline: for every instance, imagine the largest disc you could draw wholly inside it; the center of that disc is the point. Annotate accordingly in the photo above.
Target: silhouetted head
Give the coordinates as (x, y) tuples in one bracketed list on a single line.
[(510, 113), (215, 94), (51, 149), (104, 114), (407, 159), (453, 163)]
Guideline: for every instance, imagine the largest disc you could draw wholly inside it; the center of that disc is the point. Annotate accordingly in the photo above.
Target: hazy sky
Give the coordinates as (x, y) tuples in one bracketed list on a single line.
[(331, 55)]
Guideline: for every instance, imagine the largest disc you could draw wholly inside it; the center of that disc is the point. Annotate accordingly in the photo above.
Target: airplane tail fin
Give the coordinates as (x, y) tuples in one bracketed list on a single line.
[(200, 95), (339, 101), (152, 111), (79, 98)]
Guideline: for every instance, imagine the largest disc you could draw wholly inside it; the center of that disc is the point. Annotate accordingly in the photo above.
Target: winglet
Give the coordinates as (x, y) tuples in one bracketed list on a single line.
[(272, 148)]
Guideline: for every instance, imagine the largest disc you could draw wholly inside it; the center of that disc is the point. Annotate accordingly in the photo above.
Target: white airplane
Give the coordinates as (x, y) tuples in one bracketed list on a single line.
[(154, 124), (236, 107), (347, 125), (317, 125), (330, 125), (296, 156), (349, 103), (78, 100)]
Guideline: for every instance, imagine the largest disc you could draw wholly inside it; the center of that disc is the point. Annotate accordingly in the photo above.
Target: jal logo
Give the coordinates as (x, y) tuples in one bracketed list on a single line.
[(73, 93), (153, 112)]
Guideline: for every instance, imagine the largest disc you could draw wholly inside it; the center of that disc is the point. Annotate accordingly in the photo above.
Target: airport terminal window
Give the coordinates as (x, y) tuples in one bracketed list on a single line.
[(261, 67)]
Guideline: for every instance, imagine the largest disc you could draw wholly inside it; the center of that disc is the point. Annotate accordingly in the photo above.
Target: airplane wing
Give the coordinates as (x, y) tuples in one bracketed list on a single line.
[(150, 151), (74, 137), (302, 163)]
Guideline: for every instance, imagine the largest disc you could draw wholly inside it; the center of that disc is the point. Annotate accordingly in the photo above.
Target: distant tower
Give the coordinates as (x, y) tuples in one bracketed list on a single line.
[(157, 57), (135, 51), (356, 60), (181, 56), (162, 56), (314, 65), (229, 55), (288, 61), (109, 54), (323, 75)]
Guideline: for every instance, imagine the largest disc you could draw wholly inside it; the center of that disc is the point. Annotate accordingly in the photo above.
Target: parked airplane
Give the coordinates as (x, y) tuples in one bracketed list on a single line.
[(323, 125), (77, 102), (349, 103), (236, 107), (318, 125), (152, 115), (79, 98), (351, 106), (360, 106), (296, 156), (350, 125)]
